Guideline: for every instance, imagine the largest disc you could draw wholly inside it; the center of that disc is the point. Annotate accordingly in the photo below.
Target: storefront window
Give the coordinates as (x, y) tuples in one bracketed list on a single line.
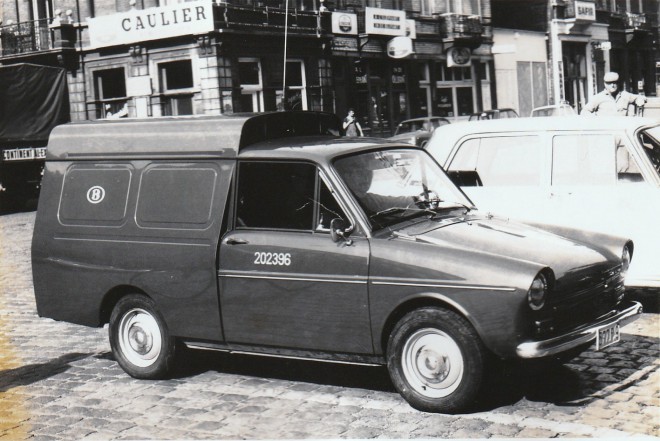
[(464, 101), (296, 96), (176, 82), (249, 71), (110, 89)]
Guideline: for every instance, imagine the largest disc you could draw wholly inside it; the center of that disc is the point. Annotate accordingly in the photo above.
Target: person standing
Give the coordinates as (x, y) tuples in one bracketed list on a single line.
[(351, 126), (612, 101)]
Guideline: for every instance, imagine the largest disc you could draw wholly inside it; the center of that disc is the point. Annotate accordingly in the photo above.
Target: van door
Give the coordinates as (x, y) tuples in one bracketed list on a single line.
[(283, 281)]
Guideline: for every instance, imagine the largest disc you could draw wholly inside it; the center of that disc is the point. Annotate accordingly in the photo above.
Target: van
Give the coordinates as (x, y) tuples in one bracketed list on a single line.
[(269, 234)]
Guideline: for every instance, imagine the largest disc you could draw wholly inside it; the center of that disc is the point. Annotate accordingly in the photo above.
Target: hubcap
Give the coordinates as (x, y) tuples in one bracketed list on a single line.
[(432, 363), (139, 337)]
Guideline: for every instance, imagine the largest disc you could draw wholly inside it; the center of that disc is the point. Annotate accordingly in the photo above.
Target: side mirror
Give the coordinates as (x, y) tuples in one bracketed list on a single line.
[(339, 231)]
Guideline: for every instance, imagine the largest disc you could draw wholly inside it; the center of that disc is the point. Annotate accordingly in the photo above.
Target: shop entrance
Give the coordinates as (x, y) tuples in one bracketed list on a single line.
[(575, 73)]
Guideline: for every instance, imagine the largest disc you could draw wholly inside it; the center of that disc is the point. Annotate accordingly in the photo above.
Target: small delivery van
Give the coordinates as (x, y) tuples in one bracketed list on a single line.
[(270, 234)]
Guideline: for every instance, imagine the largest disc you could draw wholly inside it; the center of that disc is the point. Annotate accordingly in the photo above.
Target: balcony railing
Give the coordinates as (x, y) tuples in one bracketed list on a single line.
[(258, 16), (25, 37), (458, 27)]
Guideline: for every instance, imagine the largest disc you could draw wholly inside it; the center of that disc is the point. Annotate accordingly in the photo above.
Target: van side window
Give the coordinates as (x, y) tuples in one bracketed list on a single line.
[(278, 195), (583, 159), (498, 161), (176, 195), (95, 196)]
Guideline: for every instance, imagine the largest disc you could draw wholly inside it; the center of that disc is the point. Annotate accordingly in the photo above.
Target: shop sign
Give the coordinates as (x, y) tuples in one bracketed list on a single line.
[(585, 11), (458, 57), (344, 23), (398, 75), (399, 47), (411, 29), (138, 25), (603, 45), (385, 21)]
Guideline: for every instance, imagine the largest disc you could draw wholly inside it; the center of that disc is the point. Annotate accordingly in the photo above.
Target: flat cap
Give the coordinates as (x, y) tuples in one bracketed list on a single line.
[(611, 77)]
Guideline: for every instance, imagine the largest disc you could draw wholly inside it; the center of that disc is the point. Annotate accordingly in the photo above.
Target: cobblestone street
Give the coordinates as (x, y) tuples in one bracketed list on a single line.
[(60, 381)]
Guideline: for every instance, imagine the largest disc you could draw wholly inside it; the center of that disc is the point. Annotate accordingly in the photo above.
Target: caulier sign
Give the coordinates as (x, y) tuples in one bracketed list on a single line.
[(151, 24)]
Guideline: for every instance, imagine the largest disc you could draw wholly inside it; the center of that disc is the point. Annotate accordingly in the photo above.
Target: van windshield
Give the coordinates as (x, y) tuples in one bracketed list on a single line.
[(399, 184), (650, 139)]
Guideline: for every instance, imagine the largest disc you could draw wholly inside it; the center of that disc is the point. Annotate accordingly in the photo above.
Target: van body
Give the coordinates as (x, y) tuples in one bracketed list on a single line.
[(269, 234)]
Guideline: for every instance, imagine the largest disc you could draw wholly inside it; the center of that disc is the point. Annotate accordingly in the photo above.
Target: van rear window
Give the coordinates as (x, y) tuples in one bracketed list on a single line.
[(95, 196)]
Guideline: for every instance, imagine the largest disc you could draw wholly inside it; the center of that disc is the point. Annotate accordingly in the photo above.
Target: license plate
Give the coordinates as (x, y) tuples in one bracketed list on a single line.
[(608, 335)]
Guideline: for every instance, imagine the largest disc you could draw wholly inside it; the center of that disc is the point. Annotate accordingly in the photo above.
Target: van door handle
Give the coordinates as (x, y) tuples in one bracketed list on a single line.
[(234, 241)]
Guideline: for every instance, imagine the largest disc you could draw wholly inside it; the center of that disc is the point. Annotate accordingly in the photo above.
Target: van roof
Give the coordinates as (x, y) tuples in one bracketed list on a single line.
[(221, 136)]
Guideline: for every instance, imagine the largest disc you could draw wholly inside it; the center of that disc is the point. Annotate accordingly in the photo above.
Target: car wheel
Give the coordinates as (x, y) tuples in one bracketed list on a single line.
[(436, 360), (139, 338)]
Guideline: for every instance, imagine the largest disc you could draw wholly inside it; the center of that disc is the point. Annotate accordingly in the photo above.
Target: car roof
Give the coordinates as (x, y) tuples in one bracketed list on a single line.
[(423, 118), (218, 136), (314, 148), (444, 137)]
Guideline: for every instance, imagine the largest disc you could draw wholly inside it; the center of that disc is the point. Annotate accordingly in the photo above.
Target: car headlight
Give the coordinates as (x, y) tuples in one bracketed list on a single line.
[(537, 292), (413, 140), (626, 256)]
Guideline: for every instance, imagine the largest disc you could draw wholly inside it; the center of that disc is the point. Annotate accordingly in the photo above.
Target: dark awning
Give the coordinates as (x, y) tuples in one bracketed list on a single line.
[(33, 100)]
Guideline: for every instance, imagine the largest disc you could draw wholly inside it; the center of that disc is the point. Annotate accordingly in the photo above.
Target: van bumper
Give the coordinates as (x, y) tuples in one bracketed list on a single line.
[(579, 336)]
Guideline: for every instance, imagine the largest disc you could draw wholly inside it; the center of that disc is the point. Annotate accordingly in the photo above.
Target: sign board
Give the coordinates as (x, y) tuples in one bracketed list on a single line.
[(399, 47), (604, 45), (458, 57), (585, 10), (138, 86), (411, 28), (344, 23), (136, 25), (385, 22)]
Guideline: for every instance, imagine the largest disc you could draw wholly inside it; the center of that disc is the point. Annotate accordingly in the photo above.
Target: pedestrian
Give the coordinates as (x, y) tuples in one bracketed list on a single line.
[(612, 101), (351, 126)]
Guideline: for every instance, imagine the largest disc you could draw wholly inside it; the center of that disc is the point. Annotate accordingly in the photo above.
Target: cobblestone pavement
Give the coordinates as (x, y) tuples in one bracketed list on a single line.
[(60, 381)]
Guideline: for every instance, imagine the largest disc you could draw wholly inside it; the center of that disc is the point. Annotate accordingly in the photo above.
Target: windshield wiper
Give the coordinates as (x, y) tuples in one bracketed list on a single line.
[(393, 210), (447, 205)]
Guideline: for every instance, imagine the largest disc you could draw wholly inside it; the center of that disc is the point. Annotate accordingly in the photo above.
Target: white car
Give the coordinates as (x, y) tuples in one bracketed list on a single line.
[(554, 110), (600, 174)]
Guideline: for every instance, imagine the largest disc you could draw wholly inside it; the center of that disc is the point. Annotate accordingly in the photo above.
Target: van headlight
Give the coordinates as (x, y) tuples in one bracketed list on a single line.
[(537, 292), (626, 257)]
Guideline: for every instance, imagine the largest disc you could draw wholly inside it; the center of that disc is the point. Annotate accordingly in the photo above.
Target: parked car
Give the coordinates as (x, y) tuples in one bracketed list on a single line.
[(494, 114), (418, 131), (554, 110), (600, 174), (265, 235)]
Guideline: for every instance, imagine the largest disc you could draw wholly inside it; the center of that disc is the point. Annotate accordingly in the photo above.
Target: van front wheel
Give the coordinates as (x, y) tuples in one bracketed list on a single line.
[(436, 360), (139, 338)]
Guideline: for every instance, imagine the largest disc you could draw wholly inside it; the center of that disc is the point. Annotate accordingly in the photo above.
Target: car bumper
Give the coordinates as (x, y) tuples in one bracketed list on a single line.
[(577, 337)]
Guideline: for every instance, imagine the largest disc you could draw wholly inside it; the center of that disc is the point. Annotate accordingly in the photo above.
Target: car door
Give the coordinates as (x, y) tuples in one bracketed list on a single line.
[(504, 174), (283, 281), (598, 185)]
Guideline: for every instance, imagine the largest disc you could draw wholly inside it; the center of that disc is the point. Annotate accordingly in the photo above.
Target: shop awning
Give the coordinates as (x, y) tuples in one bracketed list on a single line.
[(33, 100)]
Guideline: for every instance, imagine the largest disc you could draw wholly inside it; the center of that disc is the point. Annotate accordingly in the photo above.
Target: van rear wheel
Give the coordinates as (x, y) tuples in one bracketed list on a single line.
[(436, 360), (140, 340)]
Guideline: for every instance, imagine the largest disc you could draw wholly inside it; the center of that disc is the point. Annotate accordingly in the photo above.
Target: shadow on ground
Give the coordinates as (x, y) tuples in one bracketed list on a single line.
[(33, 373), (507, 383)]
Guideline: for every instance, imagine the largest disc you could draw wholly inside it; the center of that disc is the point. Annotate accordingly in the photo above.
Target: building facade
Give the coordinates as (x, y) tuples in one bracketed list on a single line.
[(388, 59), (585, 39)]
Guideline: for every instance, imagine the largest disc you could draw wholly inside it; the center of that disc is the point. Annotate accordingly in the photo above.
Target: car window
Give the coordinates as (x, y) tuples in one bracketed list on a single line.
[(284, 195), (584, 159), (627, 169), (328, 208), (651, 142), (396, 185), (499, 161)]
